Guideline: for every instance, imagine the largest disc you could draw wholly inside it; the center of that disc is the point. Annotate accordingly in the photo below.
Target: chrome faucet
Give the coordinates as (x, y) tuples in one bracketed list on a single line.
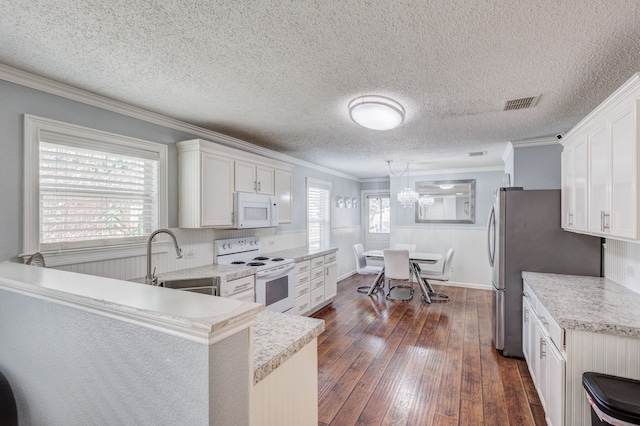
[(151, 278)]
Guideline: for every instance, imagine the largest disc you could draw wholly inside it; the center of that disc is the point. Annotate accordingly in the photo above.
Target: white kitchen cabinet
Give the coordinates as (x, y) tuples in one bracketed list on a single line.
[(205, 188), (599, 142), (330, 276), (302, 287), (574, 185), (612, 135), (613, 160), (282, 189), (255, 178), (542, 345), (209, 174)]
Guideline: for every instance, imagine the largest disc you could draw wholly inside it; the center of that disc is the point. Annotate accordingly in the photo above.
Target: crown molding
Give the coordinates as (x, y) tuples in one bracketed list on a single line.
[(508, 150), (43, 84), (541, 141)]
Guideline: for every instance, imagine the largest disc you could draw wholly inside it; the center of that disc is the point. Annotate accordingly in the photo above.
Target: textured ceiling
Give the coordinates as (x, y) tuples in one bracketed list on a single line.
[(280, 74)]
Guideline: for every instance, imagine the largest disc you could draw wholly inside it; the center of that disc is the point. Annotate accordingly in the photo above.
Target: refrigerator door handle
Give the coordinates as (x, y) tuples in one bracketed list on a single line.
[(491, 236)]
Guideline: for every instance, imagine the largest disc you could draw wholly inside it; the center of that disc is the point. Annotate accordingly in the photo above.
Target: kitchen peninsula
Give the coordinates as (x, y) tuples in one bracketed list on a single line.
[(80, 348), (573, 324)]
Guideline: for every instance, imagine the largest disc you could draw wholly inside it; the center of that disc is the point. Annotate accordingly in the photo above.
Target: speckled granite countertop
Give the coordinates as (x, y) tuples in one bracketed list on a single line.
[(300, 254), (277, 337), (588, 303)]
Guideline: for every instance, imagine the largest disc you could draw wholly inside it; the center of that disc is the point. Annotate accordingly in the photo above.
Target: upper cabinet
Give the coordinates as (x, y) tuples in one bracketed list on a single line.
[(209, 174), (600, 168), (255, 178), (574, 186)]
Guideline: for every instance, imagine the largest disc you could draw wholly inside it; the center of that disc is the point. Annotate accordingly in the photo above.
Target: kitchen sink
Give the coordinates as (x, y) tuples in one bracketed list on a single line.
[(208, 285)]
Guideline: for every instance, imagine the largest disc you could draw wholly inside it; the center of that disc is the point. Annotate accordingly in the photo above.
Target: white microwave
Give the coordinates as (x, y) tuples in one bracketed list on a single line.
[(254, 210)]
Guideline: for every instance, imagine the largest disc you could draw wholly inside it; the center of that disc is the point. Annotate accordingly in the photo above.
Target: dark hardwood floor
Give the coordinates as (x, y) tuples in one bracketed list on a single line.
[(394, 363)]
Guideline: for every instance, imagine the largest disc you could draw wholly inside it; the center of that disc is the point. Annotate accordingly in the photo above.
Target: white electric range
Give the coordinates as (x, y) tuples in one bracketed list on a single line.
[(275, 281)]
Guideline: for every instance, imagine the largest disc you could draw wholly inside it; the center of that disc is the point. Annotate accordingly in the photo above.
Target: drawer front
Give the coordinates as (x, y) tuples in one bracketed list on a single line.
[(317, 297), (302, 267), (317, 283), (302, 290), (303, 304), (245, 296), (329, 258), (317, 262), (242, 284), (302, 279), (317, 273)]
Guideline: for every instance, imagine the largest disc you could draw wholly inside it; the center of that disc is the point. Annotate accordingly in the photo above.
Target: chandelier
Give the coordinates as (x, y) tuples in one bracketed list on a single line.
[(425, 201), (407, 197)]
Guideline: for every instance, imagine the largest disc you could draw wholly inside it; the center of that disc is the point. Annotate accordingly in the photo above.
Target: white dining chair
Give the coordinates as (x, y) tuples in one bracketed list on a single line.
[(438, 275), (362, 268), (397, 268)]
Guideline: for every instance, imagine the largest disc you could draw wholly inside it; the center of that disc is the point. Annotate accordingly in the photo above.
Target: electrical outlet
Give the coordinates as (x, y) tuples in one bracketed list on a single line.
[(189, 254), (453, 268), (272, 243)]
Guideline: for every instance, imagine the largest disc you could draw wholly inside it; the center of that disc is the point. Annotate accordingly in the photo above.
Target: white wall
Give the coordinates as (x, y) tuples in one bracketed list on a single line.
[(470, 265)]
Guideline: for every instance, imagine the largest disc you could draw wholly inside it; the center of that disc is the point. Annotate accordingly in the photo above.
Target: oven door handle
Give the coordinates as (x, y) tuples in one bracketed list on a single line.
[(278, 271)]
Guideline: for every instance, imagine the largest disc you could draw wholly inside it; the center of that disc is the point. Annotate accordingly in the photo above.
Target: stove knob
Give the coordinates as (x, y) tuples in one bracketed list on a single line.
[(229, 246), (224, 246)]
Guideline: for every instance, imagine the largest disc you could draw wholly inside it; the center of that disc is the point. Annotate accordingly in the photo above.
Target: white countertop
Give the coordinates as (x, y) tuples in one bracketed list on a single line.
[(588, 303), (205, 319)]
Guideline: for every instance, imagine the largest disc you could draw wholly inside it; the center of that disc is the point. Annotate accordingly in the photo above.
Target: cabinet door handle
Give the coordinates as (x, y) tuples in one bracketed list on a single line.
[(543, 352), (570, 219), (605, 221), (526, 315)]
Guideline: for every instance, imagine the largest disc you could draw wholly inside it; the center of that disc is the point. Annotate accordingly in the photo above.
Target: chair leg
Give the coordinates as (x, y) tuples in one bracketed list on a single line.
[(405, 299)]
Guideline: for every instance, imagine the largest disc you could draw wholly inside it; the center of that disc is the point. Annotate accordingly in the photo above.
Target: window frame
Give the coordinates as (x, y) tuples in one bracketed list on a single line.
[(323, 185), (33, 128)]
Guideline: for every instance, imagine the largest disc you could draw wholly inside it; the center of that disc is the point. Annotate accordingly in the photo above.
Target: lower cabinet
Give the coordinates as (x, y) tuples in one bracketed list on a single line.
[(545, 361), (316, 282)]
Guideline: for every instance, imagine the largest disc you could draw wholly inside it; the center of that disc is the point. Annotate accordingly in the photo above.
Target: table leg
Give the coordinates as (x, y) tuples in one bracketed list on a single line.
[(416, 272)]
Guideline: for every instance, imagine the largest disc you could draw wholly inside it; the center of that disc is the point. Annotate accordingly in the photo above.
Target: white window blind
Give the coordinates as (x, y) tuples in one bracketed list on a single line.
[(88, 195), (318, 213)]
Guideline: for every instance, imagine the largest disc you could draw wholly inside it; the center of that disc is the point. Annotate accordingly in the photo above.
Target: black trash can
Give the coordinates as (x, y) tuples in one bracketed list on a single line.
[(614, 400)]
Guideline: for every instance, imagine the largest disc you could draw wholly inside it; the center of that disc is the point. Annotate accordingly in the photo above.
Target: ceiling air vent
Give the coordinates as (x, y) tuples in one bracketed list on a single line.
[(476, 154), (521, 103)]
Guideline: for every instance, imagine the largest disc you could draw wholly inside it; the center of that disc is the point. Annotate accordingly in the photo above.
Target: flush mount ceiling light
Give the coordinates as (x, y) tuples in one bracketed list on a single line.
[(376, 112)]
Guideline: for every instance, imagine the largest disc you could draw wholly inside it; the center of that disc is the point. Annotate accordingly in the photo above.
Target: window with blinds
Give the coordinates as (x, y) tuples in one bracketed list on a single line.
[(89, 195), (88, 189), (318, 213)]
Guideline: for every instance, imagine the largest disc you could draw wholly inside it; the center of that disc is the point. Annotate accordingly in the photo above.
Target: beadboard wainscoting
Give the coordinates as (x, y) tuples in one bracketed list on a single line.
[(197, 250), (344, 238), (470, 267), (622, 263), (601, 353)]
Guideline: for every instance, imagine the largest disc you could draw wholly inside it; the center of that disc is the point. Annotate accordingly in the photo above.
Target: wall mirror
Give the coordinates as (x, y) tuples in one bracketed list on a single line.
[(446, 201)]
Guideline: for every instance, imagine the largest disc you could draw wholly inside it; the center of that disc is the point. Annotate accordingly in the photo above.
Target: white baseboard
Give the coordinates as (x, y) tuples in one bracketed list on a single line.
[(447, 283)]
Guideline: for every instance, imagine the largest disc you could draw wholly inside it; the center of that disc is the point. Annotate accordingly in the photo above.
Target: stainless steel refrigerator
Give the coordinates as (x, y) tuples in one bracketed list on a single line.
[(524, 234)]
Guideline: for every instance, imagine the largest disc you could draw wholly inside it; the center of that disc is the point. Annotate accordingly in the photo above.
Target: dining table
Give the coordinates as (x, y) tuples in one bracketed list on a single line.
[(415, 258)]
